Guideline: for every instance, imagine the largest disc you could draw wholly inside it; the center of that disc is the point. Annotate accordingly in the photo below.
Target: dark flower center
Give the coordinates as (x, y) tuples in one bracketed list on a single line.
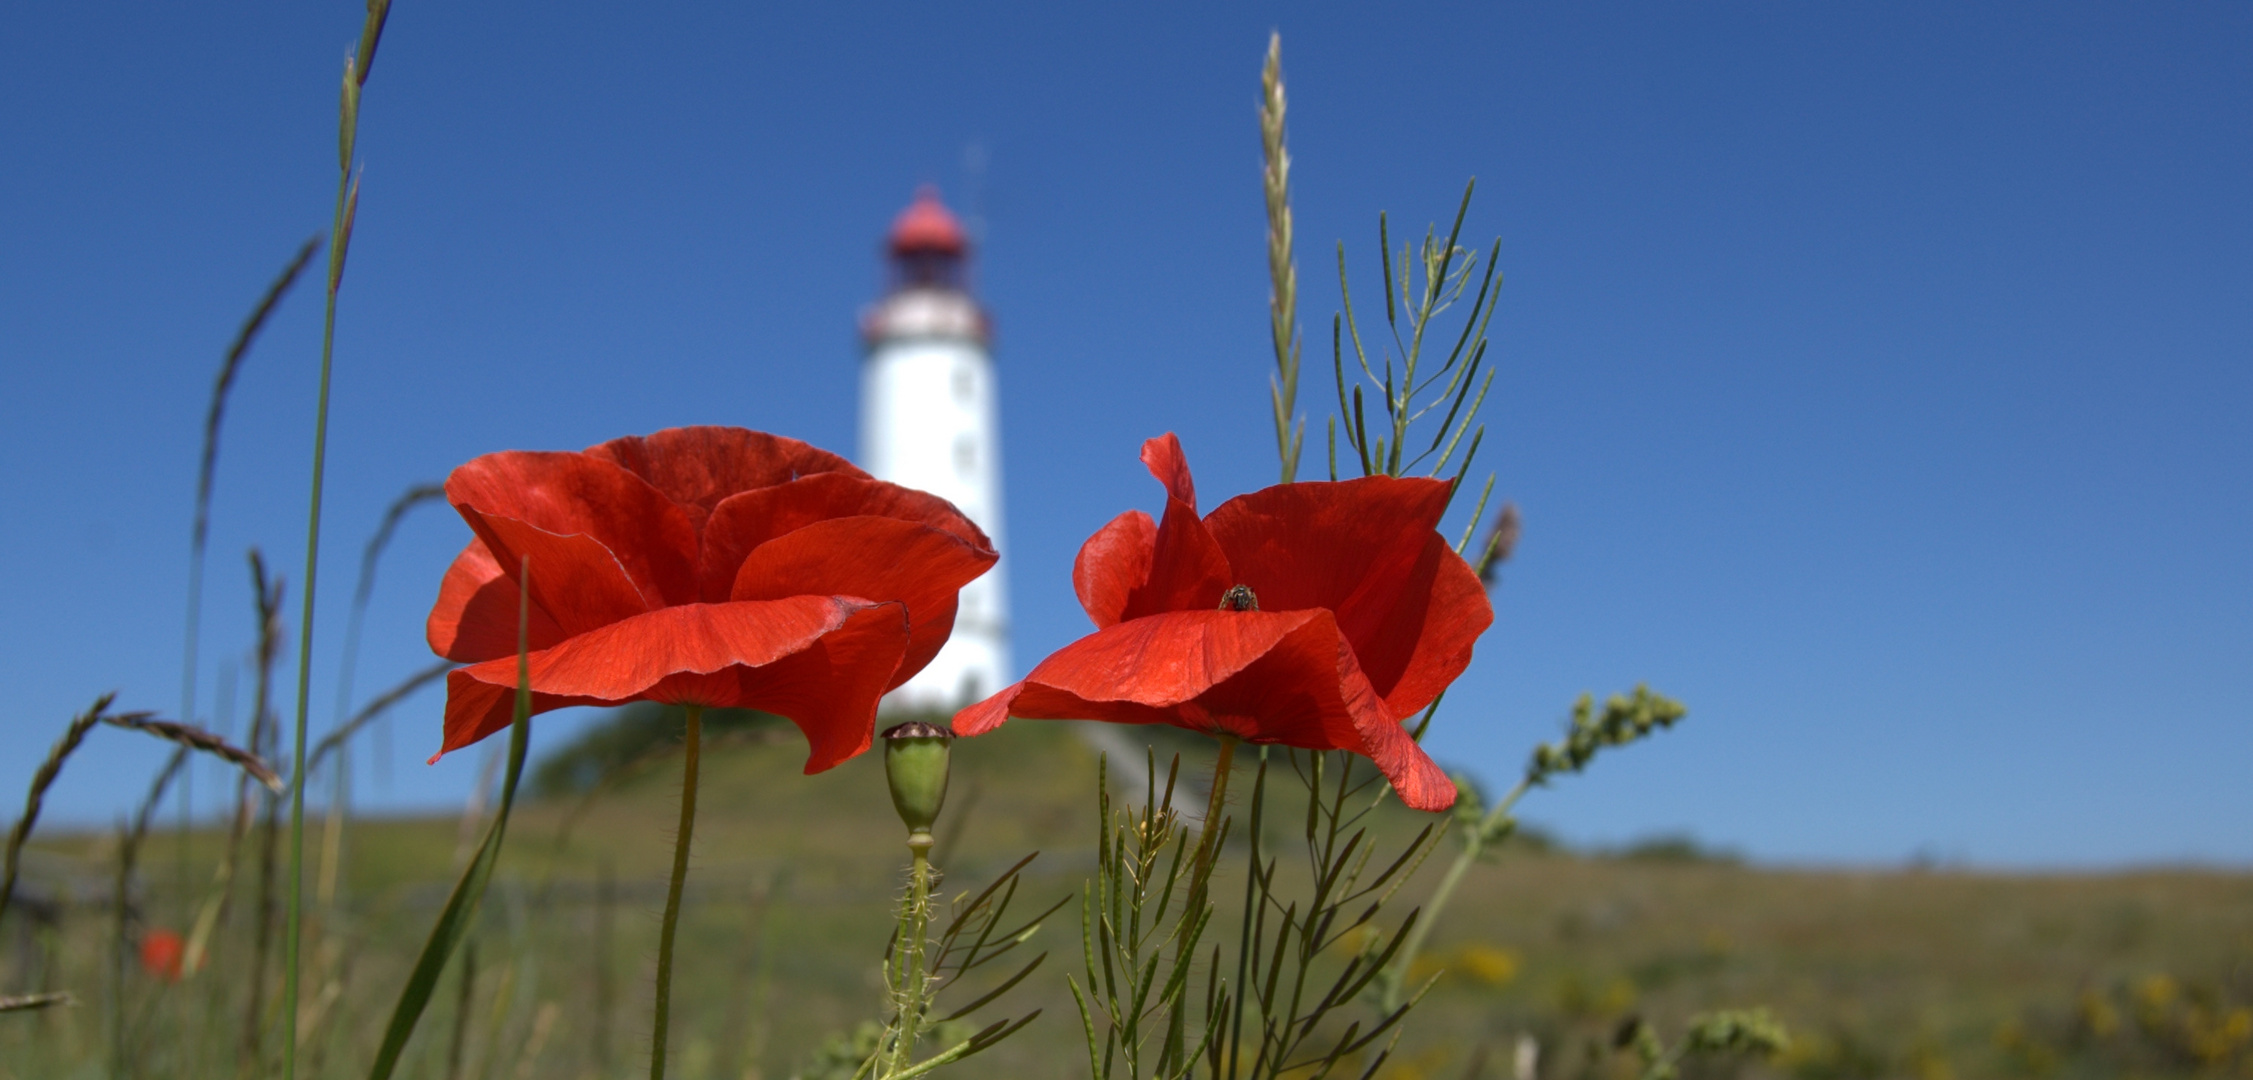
[(1239, 598), (917, 729)]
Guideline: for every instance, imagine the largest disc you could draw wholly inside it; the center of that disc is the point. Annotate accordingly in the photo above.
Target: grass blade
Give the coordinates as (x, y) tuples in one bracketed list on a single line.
[(30, 1002), (461, 907)]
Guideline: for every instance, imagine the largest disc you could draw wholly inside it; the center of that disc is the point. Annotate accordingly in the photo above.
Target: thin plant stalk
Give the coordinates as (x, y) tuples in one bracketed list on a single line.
[(375, 708), (356, 70), (1474, 843), (349, 666), (1624, 719), (41, 780), (1208, 837), (469, 892), (128, 850), (262, 736), (916, 928), (332, 835), (692, 745), (199, 533), (221, 895), (365, 589)]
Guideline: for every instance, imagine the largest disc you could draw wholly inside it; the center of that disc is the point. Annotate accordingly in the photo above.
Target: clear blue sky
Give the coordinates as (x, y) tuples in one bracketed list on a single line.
[(1873, 377)]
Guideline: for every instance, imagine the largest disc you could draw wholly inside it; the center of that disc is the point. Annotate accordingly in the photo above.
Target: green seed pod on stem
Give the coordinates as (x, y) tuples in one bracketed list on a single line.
[(915, 764)]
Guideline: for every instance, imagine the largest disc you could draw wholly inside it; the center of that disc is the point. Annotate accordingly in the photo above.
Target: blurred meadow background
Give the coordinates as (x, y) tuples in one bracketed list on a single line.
[(1870, 379)]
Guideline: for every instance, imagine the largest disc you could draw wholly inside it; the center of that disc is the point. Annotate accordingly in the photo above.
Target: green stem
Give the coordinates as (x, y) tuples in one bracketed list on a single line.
[(673, 893), (915, 927), (305, 639), (1244, 929), (1472, 845), (1208, 839)]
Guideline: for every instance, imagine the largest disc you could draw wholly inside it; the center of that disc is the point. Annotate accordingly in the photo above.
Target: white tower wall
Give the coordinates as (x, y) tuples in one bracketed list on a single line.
[(928, 421)]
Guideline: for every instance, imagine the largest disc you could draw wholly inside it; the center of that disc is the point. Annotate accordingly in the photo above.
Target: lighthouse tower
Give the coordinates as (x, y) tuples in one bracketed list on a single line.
[(928, 422)]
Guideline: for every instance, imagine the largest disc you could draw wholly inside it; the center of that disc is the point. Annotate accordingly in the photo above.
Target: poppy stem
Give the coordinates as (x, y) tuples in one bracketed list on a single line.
[(673, 893), (916, 927)]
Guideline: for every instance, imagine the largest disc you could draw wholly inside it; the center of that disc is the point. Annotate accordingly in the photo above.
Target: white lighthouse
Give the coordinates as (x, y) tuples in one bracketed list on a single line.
[(928, 422)]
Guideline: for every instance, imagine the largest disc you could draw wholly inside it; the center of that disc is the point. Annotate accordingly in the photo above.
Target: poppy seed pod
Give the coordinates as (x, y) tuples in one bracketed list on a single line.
[(915, 763)]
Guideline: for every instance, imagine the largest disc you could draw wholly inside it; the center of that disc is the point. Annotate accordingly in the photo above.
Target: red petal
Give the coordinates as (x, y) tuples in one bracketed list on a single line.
[(873, 558), (632, 548), (986, 715), (1363, 549), (1426, 641), (1269, 677), (739, 655), (831, 689), (1112, 564), (1163, 457), (475, 617), (699, 466), (1188, 572), (476, 708), (1164, 660), (751, 518)]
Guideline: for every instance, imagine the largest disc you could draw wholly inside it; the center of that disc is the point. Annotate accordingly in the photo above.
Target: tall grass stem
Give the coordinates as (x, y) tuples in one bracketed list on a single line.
[(356, 68)]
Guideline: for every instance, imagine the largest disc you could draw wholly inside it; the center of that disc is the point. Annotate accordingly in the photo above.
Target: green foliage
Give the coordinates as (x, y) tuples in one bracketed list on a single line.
[(1740, 1032), (1133, 994), (1330, 945), (1623, 721), (921, 967), (1431, 277)]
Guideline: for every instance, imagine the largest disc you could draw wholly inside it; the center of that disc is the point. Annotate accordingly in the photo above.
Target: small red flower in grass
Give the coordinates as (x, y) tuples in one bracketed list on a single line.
[(1315, 615), (703, 565), (161, 951)]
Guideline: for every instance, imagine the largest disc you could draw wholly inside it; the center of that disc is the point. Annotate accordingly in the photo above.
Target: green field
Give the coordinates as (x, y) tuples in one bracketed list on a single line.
[(1877, 974)]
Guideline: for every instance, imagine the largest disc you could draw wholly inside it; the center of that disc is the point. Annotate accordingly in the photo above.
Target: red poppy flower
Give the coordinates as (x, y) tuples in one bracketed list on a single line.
[(702, 565), (1316, 615), (161, 951)]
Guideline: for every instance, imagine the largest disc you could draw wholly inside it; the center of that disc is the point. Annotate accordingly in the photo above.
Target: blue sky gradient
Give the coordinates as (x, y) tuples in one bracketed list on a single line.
[(1873, 378)]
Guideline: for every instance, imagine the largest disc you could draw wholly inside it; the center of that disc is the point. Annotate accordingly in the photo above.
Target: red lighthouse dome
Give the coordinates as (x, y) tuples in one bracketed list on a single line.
[(927, 227)]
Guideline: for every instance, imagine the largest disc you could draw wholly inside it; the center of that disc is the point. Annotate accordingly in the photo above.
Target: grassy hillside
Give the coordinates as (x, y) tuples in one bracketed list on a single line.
[(1879, 974)]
